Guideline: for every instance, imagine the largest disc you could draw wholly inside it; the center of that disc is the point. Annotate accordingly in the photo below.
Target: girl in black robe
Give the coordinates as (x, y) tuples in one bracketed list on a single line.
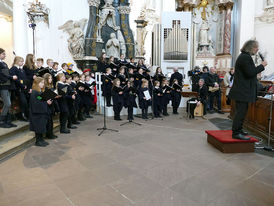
[(144, 102), (107, 86), (39, 112), (157, 99), (49, 85), (118, 99), (61, 87), (130, 94)]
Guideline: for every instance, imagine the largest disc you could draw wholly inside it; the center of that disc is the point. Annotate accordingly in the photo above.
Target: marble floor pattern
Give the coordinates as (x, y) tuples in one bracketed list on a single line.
[(161, 163)]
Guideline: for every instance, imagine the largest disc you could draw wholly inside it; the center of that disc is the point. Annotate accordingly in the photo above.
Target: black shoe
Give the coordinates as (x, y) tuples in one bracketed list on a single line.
[(76, 122), (45, 143), (88, 116), (12, 125), (52, 137), (240, 136), (109, 105), (220, 112), (65, 131), (211, 111), (40, 144), (5, 125), (72, 127), (166, 114), (244, 133)]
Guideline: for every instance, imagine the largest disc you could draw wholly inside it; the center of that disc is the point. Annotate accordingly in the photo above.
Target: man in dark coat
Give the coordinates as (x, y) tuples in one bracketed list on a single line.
[(213, 82), (244, 89), (176, 75)]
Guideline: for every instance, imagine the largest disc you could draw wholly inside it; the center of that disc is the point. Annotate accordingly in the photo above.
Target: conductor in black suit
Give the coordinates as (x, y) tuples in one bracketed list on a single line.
[(244, 89)]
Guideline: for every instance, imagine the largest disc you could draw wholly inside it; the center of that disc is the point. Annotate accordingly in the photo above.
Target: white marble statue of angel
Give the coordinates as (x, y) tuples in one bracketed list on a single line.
[(76, 40)]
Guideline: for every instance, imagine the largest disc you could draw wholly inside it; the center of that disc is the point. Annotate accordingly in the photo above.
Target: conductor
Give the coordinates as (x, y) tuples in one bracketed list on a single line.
[(244, 89)]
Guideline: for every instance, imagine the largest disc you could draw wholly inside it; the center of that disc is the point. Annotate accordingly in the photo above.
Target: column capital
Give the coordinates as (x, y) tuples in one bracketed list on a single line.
[(94, 3), (124, 9)]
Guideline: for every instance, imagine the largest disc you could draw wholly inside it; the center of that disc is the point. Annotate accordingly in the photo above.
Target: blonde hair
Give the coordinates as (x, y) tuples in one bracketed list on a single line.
[(46, 78), (30, 62), (115, 82), (35, 85), (144, 83), (16, 60)]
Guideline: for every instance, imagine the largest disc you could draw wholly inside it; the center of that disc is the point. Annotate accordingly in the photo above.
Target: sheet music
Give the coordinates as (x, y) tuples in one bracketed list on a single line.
[(147, 95)]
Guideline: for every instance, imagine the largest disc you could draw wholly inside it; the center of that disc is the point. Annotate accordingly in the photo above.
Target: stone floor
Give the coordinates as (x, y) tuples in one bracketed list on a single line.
[(161, 163)]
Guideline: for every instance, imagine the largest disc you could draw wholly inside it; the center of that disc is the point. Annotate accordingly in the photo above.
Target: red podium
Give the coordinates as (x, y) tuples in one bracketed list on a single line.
[(222, 140)]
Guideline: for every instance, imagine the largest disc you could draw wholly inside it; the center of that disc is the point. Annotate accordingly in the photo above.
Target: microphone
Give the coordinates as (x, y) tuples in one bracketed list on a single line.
[(261, 56)]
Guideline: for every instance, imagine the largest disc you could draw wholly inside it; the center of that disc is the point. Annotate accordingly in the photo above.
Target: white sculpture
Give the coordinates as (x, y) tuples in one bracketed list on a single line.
[(204, 34), (107, 16), (113, 46), (76, 38)]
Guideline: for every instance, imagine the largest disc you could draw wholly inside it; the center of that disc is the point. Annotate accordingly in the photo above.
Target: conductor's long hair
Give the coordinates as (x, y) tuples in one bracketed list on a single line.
[(249, 46)]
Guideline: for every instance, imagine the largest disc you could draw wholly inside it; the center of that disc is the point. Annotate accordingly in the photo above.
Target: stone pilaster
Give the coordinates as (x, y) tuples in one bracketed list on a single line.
[(227, 30), (124, 11), (91, 34)]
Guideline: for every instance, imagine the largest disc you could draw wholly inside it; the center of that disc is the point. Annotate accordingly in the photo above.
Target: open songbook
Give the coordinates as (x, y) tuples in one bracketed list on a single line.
[(48, 94)]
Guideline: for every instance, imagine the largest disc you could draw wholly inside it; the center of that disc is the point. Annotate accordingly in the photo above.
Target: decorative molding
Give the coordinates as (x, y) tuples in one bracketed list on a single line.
[(268, 15), (7, 18), (124, 9), (95, 3)]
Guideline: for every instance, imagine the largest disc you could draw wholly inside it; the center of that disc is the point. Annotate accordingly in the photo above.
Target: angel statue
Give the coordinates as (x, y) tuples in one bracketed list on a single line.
[(76, 39)]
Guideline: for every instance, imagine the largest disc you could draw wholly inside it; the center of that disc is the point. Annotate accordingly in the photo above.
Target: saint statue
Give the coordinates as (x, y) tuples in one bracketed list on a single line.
[(107, 16), (113, 46), (204, 34)]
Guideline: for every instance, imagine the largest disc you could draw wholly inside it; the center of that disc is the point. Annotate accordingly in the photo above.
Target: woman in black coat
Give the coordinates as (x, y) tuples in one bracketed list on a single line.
[(107, 86), (39, 112), (30, 69), (130, 94)]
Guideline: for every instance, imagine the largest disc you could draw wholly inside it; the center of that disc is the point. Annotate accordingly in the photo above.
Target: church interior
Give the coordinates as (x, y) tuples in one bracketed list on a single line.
[(132, 103)]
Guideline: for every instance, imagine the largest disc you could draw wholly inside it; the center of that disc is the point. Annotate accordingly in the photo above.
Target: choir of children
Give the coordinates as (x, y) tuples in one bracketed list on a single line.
[(45, 92)]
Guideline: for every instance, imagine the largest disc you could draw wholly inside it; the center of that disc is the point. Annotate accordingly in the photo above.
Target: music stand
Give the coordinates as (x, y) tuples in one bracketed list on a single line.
[(104, 128)]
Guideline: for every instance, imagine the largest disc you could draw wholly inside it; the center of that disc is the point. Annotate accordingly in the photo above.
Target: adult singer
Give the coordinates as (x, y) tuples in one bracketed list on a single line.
[(244, 89)]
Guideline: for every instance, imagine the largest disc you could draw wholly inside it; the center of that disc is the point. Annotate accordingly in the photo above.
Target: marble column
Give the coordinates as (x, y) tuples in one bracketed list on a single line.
[(141, 24), (220, 30), (20, 28), (227, 30)]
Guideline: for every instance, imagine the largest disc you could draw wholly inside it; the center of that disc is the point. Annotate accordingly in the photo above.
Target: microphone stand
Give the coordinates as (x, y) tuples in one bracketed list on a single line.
[(104, 128)]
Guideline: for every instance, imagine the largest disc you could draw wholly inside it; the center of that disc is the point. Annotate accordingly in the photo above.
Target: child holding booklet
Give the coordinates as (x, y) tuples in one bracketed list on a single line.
[(39, 111), (144, 98)]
